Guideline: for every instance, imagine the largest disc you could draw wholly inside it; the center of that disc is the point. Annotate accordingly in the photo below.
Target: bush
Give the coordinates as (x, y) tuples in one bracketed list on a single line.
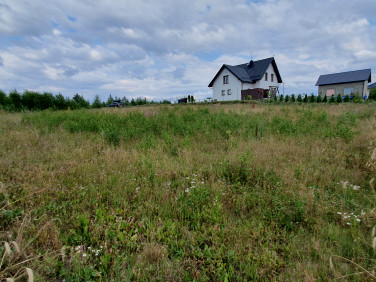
[(357, 98), (281, 98), (312, 98), (287, 98), (325, 99), (346, 99), (372, 94), (339, 98), (332, 99), (319, 99), (305, 99), (293, 98), (299, 98)]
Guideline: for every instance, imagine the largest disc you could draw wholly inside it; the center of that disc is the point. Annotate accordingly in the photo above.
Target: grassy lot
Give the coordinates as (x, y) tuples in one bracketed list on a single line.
[(183, 192)]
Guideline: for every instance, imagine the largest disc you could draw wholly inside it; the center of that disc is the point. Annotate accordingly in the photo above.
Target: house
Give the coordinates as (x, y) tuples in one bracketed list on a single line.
[(373, 85), (345, 83), (256, 79)]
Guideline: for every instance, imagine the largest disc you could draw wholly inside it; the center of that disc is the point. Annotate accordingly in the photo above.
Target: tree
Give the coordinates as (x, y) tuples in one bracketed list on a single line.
[(281, 98), (318, 99), (346, 99), (325, 99), (15, 100), (293, 98), (312, 98), (339, 98), (192, 99), (299, 98), (97, 103), (372, 94), (4, 99), (80, 101), (332, 99), (61, 103), (287, 98), (109, 100), (305, 99)]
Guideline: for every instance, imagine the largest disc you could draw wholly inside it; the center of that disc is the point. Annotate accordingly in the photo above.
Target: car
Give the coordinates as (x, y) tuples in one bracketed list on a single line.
[(116, 104)]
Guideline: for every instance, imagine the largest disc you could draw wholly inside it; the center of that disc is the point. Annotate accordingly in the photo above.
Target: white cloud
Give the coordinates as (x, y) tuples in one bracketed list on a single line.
[(168, 48)]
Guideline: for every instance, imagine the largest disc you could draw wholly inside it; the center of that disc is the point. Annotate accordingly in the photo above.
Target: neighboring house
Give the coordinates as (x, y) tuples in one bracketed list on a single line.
[(258, 79), (373, 85), (345, 83)]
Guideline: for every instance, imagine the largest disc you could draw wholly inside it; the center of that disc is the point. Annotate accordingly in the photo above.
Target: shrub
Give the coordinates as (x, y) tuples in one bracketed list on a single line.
[(372, 94), (281, 98), (346, 99), (287, 98), (325, 99), (332, 99), (319, 99), (312, 98), (293, 98), (299, 98), (305, 99), (357, 98), (339, 98)]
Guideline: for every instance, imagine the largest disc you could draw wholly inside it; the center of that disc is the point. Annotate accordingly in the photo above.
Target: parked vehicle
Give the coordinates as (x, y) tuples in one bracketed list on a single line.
[(115, 104)]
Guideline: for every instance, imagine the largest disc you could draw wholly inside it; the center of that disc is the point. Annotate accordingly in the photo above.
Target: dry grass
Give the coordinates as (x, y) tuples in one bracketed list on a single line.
[(75, 189)]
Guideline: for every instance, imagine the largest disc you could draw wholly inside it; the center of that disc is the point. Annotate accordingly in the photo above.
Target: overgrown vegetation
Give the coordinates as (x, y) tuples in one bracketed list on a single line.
[(193, 192), (35, 101)]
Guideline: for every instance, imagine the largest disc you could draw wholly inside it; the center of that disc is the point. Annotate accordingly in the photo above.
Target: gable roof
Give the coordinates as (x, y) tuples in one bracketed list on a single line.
[(250, 72), (344, 77), (373, 85)]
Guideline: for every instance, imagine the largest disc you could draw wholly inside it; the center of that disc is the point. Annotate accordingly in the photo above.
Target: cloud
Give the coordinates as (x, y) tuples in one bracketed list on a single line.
[(168, 48)]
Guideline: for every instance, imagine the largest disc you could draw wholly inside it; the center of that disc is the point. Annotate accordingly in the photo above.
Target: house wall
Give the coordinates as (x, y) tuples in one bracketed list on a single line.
[(233, 83), (237, 86), (359, 87), (265, 84)]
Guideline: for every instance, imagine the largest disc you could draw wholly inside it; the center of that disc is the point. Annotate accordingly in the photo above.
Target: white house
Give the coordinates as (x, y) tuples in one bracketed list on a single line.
[(258, 79)]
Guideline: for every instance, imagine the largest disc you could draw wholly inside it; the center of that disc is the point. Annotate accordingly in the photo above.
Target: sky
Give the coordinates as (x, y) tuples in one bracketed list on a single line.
[(167, 49)]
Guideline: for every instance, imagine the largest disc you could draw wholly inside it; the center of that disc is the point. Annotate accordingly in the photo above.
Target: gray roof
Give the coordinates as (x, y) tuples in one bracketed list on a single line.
[(373, 85), (344, 77), (250, 72)]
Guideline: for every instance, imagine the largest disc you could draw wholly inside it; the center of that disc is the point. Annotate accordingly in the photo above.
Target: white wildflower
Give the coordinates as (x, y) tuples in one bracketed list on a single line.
[(348, 223)]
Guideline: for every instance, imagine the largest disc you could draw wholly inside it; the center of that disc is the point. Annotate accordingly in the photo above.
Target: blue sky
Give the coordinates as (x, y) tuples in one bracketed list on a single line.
[(166, 49)]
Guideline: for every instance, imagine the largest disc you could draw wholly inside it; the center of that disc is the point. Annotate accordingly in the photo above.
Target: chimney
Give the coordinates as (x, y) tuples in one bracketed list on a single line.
[(250, 64)]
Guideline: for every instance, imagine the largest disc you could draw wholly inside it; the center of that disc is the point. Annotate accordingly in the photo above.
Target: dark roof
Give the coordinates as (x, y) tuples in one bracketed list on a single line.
[(250, 72), (344, 77), (373, 85)]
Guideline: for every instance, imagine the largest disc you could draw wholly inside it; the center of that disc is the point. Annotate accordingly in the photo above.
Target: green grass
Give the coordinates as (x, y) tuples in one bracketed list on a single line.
[(205, 192)]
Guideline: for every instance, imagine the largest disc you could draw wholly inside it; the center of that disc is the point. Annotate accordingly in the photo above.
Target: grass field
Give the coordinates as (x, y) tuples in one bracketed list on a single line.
[(184, 192)]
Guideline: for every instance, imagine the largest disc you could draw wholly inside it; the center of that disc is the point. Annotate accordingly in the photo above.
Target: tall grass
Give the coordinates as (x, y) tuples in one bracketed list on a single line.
[(206, 192)]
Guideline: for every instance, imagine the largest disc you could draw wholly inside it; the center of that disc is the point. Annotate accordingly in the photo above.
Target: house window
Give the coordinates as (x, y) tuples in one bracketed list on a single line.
[(225, 79), (266, 76), (272, 77), (223, 92), (348, 91), (330, 92), (228, 91)]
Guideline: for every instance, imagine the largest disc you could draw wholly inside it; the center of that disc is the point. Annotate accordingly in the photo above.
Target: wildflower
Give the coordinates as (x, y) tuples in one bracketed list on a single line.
[(187, 178), (84, 255), (348, 223), (356, 187), (91, 267), (339, 212), (89, 248), (187, 190), (358, 220)]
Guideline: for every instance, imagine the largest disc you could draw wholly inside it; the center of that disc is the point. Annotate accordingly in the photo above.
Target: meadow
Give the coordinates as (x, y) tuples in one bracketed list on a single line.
[(189, 192)]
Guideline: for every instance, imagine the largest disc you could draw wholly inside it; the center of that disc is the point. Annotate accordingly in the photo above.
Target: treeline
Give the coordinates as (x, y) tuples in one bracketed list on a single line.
[(36, 101), (322, 99)]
